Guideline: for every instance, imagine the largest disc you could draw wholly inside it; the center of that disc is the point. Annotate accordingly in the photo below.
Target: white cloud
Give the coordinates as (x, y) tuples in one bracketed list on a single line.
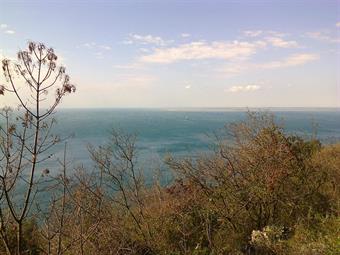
[(10, 32), (257, 33), (276, 33), (188, 86), (252, 33), (184, 35), (293, 60), (203, 50), (98, 50), (146, 39), (279, 42), (323, 36), (300, 59), (274, 38), (89, 45), (4, 28), (93, 45), (128, 66), (105, 47), (337, 24), (244, 88)]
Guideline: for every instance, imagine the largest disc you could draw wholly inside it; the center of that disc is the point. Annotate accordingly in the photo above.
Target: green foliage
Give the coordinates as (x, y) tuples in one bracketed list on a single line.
[(322, 236), (31, 241), (265, 180)]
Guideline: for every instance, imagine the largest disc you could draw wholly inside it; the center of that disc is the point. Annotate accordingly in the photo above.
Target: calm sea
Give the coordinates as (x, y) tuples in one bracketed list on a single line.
[(178, 132)]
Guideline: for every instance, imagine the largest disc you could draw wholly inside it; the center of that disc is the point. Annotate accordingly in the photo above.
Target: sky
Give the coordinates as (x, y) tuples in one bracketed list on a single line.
[(173, 54)]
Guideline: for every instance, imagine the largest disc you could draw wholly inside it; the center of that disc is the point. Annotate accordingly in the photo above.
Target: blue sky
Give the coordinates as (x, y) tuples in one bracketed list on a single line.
[(186, 53)]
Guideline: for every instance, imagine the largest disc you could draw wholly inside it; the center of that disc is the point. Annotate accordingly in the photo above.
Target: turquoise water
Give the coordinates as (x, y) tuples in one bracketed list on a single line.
[(160, 132), (177, 132)]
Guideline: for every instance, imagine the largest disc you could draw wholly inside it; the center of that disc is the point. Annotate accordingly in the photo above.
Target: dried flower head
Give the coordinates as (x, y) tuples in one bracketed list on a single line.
[(11, 129), (46, 171), (41, 46), (5, 63), (2, 90), (69, 88), (51, 56), (31, 46)]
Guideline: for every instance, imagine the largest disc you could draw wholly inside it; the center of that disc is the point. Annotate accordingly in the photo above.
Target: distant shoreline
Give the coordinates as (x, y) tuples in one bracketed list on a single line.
[(211, 109)]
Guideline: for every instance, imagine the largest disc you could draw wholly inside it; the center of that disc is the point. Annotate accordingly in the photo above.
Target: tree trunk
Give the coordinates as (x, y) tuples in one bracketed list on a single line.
[(19, 238)]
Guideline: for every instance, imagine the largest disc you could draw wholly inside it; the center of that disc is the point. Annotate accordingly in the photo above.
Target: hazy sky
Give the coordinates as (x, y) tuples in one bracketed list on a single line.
[(186, 53)]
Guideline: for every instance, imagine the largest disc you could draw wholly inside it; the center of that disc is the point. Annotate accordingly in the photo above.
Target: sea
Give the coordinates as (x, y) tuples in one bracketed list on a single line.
[(175, 132), (162, 132)]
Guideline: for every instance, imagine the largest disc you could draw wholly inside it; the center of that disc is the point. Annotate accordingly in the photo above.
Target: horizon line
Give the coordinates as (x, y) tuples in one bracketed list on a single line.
[(292, 108)]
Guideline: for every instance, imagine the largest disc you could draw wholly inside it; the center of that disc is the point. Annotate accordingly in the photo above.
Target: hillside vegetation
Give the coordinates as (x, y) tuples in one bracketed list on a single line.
[(265, 192)]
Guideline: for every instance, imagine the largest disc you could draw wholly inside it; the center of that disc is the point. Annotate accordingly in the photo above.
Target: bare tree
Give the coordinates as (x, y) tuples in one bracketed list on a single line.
[(117, 164), (26, 136)]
